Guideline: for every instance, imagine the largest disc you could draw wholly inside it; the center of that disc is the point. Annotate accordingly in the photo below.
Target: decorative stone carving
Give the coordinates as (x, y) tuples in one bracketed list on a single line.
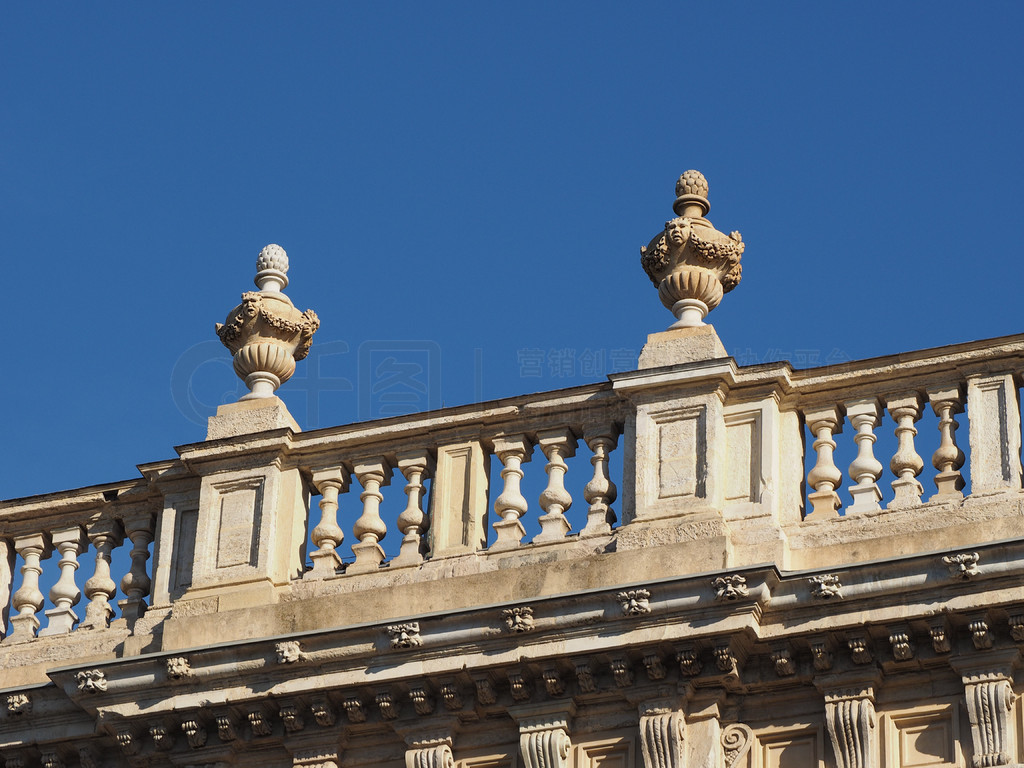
[(405, 635), (91, 680), (18, 704), (327, 535), (821, 655), (553, 682), (990, 699), (288, 652), (940, 641), (729, 588), (865, 469), (662, 736), (585, 678), (293, 722), (1017, 628), (100, 588), (369, 528), (622, 671), (412, 522), (783, 662), (518, 619), (136, 584), (980, 635), (826, 586), (655, 669), (14, 762), (28, 600), (354, 710), (259, 724), (737, 740), (485, 691), (195, 733), (544, 742), (452, 697), (635, 602), (178, 668), (689, 662), (430, 753), (386, 706), (422, 701), (518, 685), (50, 760), (162, 739), (963, 565), (691, 263), (127, 742), (902, 649), (266, 334), (323, 712), (725, 660), (226, 728), (64, 595), (860, 652), (87, 757), (850, 718)]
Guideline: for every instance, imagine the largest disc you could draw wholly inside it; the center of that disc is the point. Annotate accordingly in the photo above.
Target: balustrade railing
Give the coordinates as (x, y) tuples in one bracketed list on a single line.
[(63, 556)]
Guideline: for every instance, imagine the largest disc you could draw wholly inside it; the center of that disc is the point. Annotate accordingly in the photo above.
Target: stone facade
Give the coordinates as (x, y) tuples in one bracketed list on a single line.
[(733, 599)]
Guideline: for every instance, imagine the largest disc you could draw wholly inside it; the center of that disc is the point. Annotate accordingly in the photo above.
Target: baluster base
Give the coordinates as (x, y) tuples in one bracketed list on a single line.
[(907, 494), (97, 616), (60, 621), (325, 564), (409, 555), (599, 522), (369, 556), (824, 505), (866, 498), (510, 535), (553, 527), (23, 629), (948, 486), (132, 609)]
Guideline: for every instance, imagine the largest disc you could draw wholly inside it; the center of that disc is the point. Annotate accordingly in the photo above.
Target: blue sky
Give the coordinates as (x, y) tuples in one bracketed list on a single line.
[(466, 187)]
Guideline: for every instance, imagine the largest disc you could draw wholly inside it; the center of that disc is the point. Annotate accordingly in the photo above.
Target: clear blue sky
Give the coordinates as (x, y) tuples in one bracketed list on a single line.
[(467, 186)]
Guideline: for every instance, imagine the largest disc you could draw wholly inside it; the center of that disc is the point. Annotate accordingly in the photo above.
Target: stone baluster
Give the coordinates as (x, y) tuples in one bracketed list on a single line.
[(6, 581), (413, 522), (662, 736), (994, 432), (136, 583), (105, 535), (369, 528), (513, 451), (327, 535), (865, 468), (61, 619), (906, 464), (28, 600), (557, 445), (948, 458), (825, 476), (600, 492), (850, 719)]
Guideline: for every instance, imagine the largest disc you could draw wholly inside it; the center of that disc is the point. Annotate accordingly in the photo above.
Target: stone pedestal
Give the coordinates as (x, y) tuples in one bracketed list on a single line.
[(247, 417), (681, 345)]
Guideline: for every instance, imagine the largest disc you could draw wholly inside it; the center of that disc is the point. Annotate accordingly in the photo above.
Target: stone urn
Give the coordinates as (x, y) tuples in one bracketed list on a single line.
[(266, 333), (690, 262)]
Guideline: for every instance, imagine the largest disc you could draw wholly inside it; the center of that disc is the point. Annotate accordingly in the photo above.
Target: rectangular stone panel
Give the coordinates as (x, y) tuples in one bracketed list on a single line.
[(791, 749), (682, 453), (613, 751), (743, 452), (923, 738), (458, 499), (184, 550), (239, 512)]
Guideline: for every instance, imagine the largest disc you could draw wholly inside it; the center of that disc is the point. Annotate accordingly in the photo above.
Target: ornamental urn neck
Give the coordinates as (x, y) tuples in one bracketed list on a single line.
[(690, 262), (266, 333)]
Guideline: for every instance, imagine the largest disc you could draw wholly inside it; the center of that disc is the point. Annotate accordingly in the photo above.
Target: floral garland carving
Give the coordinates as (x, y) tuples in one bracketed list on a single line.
[(252, 307), (678, 232)]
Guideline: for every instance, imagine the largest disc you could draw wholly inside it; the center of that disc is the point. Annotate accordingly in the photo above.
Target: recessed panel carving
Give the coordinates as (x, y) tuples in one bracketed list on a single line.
[(238, 524), (790, 749), (613, 752), (682, 454), (743, 447)]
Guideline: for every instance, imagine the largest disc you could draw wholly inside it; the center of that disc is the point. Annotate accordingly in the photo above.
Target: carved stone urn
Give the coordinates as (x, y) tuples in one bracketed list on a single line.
[(692, 263), (266, 333)]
